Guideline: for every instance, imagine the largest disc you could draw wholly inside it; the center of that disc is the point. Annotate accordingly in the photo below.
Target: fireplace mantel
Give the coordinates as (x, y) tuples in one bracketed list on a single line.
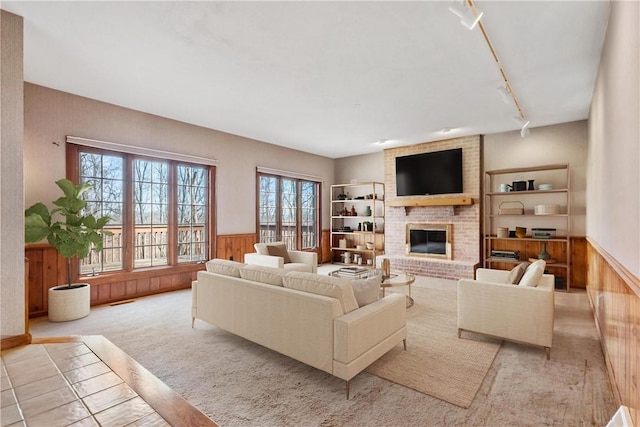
[(441, 201)]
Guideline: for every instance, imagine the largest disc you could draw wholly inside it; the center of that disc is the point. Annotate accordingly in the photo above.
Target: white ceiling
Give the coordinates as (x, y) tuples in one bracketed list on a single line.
[(330, 78)]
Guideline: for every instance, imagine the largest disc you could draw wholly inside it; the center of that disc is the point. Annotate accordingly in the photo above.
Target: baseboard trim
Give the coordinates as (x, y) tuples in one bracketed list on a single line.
[(15, 341)]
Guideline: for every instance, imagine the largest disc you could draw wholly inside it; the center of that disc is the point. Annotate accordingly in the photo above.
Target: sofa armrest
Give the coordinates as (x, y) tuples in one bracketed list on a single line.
[(264, 260), (520, 313), (310, 258), (360, 330)]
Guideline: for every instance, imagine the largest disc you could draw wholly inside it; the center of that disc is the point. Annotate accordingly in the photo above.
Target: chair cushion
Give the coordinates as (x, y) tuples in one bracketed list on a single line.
[(533, 274), (279, 250), (262, 274), (334, 287), (225, 267), (366, 290), (516, 273)]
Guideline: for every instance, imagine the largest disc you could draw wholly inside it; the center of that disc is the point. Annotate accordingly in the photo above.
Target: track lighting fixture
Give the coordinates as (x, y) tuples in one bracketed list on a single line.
[(469, 15)]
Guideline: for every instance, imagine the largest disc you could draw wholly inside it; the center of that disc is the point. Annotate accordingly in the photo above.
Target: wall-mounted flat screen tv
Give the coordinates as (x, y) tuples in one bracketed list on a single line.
[(438, 172)]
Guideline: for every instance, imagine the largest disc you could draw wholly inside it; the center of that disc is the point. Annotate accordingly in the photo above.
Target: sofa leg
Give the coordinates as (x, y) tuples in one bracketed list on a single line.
[(548, 351), (193, 322), (404, 341), (459, 332), (348, 389)]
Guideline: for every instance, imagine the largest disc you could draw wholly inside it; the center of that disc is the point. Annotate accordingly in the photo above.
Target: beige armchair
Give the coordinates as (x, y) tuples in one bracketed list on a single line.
[(276, 255), (490, 306)]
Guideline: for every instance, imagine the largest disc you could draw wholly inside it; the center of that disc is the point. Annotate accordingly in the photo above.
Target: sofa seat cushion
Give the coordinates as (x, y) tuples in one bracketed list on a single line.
[(367, 290), (335, 287), (533, 274), (262, 274), (225, 267)]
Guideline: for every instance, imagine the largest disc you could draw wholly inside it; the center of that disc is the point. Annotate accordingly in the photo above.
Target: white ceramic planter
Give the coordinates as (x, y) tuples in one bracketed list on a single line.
[(69, 304)]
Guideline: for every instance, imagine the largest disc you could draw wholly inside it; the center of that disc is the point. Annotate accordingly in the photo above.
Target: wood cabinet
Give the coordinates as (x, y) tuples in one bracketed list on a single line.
[(544, 212), (357, 219)]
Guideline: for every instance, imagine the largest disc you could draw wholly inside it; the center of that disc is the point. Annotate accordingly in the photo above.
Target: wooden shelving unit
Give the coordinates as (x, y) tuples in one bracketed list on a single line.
[(529, 247), (350, 228)]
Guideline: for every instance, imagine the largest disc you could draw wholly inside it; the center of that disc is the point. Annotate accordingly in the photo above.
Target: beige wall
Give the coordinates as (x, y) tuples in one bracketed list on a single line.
[(12, 313), (613, 195), (563, 143), (50, 115), (364, 168)]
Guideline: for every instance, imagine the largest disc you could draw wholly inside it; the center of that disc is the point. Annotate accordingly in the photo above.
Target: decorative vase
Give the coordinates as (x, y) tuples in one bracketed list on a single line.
[(531, 187), (543, 253)]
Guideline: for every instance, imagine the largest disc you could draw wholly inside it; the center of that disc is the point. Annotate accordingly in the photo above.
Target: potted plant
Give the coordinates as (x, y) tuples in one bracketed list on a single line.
[(72, 233)]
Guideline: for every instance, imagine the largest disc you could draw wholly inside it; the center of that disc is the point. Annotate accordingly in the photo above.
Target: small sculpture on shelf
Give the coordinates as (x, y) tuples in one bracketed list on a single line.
[(353, 211)]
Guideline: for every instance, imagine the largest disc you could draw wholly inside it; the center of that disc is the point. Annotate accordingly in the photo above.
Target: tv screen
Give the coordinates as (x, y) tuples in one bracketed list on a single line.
[(438, 172)]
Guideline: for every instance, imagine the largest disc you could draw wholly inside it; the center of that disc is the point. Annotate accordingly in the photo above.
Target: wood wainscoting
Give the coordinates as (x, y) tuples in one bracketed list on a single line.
[(234, 246), (47, 268), (614, 294)]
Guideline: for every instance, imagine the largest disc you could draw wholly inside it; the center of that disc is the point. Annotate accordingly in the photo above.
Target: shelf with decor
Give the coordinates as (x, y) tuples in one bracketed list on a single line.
[(535, 204), (357, 223)]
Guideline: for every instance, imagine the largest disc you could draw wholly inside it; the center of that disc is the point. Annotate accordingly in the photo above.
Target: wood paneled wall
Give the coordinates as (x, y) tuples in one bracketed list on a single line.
[(47, 268), (614, 294), (234, 246)]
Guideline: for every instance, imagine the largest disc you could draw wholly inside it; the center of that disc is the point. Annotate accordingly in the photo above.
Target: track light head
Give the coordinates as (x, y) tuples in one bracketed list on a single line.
[(469, 16), (504, 92), (525, 128)]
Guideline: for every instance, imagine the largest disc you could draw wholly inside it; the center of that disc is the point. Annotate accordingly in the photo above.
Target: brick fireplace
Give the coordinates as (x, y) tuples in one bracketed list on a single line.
[(463, 221)]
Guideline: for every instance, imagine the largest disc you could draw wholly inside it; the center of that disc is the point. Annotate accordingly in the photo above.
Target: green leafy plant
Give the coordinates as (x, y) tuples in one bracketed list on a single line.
[(66, 227)]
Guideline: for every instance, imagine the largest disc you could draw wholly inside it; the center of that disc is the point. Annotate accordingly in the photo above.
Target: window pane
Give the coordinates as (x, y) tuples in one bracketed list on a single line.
[(106, 175), (267, 209), (192, 213), (289, 199), (150, 197)]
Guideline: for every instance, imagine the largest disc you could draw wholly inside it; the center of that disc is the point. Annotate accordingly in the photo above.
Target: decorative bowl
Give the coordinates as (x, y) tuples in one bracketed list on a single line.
[(370, 245)]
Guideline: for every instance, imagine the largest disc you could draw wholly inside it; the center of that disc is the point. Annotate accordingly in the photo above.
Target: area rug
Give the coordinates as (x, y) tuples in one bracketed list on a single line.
[(437, 362)]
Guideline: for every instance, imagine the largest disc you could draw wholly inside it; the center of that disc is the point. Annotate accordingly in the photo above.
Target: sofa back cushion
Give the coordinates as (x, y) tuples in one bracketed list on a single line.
[(367, 290), (225, 267), (262, 274), (279, 250), (533, 274), (335, 287), (516, 273)]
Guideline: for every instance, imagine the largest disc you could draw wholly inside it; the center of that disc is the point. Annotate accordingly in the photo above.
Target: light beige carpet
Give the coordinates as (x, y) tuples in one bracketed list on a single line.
[(437, 362), (239, 383)]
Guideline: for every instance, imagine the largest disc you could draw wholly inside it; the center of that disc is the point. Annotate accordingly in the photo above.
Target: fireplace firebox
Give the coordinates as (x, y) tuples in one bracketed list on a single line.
[(429, 240)]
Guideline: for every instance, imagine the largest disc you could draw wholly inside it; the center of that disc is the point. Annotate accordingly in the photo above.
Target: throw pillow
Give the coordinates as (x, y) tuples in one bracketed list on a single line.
[(279, 250), (335, 287), (516, 273), (533, 274), (366, 290), (225, 267), (262, 274)]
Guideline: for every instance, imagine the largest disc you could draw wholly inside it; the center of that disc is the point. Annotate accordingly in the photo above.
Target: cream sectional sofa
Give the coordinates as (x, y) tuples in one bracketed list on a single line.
[(312, 318)]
